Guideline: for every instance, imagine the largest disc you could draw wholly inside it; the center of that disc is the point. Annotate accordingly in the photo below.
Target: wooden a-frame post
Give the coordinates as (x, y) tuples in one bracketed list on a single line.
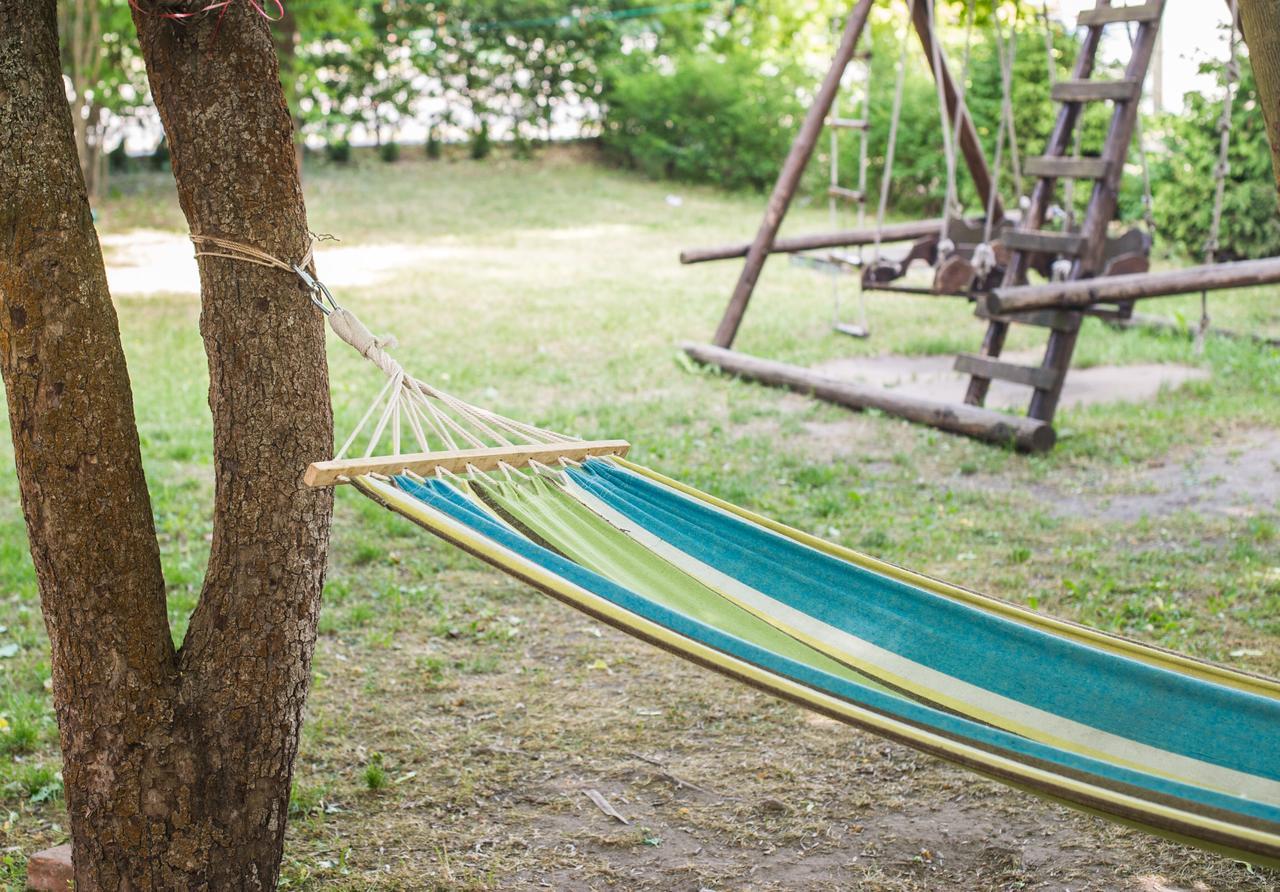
[(805, 141)]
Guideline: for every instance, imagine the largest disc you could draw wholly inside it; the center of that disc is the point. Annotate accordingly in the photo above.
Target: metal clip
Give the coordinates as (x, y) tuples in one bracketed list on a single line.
[(316, 290)]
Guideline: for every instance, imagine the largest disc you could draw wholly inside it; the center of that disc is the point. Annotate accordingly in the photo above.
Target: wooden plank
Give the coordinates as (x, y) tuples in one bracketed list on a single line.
[(1042, 242), (329, 473), (848, 123), (1026, 375), (789, 176), (983, 424), (1042, 194), (1103, 198), (894, 232), (1137, 286), (1062, 167), (1058, 320), (847, 194), (1106, 15), (1096, 91)]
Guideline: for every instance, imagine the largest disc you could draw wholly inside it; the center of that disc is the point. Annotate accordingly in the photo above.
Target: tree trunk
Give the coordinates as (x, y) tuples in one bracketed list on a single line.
[(177, 765), (1260, 26), (217, 88), (79, 469)]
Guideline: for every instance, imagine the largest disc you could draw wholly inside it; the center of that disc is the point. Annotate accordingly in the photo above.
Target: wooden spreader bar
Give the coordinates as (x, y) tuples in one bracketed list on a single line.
[(331, 473)]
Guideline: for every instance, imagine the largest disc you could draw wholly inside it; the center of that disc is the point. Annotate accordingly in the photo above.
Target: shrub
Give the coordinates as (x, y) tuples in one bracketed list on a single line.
[(433, 145), (389, 151), (118, 160), (338, 151), (159, 159), (719, 119), (1184, 182), (481, 145)]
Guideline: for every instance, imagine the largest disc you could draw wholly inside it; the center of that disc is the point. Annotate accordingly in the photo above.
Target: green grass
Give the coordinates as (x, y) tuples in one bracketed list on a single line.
[(549, 290)]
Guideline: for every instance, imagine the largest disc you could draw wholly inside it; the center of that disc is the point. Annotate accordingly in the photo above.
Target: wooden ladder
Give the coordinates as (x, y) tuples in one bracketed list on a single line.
[(1086, 247)]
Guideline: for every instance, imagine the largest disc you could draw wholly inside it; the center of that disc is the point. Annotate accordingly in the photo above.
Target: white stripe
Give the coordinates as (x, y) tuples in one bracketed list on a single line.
[(946, 690)]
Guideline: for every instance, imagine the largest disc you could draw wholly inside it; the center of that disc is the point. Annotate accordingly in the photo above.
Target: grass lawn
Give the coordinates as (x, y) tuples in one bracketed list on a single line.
[(457, 718)]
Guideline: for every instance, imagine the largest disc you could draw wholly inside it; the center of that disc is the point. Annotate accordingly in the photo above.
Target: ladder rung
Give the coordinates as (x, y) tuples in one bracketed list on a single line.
[(1105, 15), (1026, 375), (1075, 168), (1089, 91), (847, 194), (848, 123), (1057, 320), (1043, 242)]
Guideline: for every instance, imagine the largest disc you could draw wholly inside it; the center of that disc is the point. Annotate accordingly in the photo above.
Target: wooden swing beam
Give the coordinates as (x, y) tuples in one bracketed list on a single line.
[(1026, 434), (802, 150), (894, 232), (1136, 286)]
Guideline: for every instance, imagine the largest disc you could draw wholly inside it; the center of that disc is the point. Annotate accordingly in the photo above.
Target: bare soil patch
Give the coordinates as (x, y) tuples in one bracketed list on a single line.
[(933, 377)]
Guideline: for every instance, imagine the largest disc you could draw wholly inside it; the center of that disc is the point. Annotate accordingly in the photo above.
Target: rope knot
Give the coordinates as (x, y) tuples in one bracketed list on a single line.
[(372, 347)]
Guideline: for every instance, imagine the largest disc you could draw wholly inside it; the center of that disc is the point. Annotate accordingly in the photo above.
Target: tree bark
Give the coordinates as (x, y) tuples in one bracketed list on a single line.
[(79, 468), (177, 765), (1260, 26), (246, 660)]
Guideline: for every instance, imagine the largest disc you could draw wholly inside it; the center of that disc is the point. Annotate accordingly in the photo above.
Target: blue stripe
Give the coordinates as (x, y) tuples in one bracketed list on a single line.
[(448, 501), (1155, 706)]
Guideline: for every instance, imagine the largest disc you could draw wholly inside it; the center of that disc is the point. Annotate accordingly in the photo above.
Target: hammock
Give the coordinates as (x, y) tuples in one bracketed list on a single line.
[(1173, 745)]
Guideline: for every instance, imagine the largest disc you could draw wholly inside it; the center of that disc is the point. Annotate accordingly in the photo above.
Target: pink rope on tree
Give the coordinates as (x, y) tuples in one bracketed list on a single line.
[(222, 6)]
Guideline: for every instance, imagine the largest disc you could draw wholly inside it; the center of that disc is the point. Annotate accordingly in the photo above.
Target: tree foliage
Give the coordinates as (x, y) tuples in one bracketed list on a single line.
[(1185, 176)]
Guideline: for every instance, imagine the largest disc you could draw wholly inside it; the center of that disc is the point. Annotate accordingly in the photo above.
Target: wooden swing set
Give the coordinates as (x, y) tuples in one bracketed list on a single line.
[(1088, 270)]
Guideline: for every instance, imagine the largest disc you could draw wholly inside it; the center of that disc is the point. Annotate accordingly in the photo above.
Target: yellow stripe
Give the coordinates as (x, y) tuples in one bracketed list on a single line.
[(1255, 845), (1253, 684), (939, 688)]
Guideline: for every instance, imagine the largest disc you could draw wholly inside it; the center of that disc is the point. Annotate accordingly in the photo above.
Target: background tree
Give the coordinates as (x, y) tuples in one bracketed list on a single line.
[(177, 762), (105, 75)]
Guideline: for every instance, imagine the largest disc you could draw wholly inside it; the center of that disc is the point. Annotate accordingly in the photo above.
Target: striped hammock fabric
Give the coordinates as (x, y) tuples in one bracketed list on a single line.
[(1176, 746)]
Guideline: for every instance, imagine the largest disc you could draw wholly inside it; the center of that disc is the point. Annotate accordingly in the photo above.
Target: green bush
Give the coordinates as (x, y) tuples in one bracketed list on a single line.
[(433, 145), (1184, 179), (338, 151), (159, 159), (389, 152), (118, 160), (721, 119), (481, 145)]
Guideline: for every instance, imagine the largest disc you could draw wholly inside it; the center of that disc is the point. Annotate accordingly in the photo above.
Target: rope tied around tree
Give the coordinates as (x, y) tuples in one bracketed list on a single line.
[(408, 406)]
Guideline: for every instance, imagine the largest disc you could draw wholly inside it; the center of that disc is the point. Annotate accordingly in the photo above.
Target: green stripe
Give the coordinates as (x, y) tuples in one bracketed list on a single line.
[(568, 527)]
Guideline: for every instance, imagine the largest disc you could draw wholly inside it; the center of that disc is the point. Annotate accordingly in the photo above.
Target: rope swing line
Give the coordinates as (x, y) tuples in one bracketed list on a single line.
[(1221, 170), (404, 405), (895, 118)]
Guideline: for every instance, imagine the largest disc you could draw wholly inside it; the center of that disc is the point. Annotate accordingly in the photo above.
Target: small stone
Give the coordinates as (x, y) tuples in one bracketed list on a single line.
[(50, 869)]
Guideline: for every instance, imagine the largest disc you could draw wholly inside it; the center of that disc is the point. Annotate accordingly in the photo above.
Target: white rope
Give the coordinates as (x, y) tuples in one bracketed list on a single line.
[(945, 245), (951, 203), (403, 399), (895, 117), (1220, 171)]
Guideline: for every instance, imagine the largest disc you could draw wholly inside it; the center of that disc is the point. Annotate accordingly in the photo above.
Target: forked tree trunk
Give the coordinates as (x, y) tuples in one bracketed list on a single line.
[(79, 470), (177, 765), (1260, 24)]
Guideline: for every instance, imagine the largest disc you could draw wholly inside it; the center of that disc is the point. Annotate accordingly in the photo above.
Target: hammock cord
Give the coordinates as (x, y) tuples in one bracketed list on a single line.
[(404, 402)]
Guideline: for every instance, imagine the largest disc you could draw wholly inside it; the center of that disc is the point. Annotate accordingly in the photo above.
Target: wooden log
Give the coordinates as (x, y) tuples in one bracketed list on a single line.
[(1173, 326), (329, 473), (1137, 286), (789, 176), (983, 424), (894, 232)]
